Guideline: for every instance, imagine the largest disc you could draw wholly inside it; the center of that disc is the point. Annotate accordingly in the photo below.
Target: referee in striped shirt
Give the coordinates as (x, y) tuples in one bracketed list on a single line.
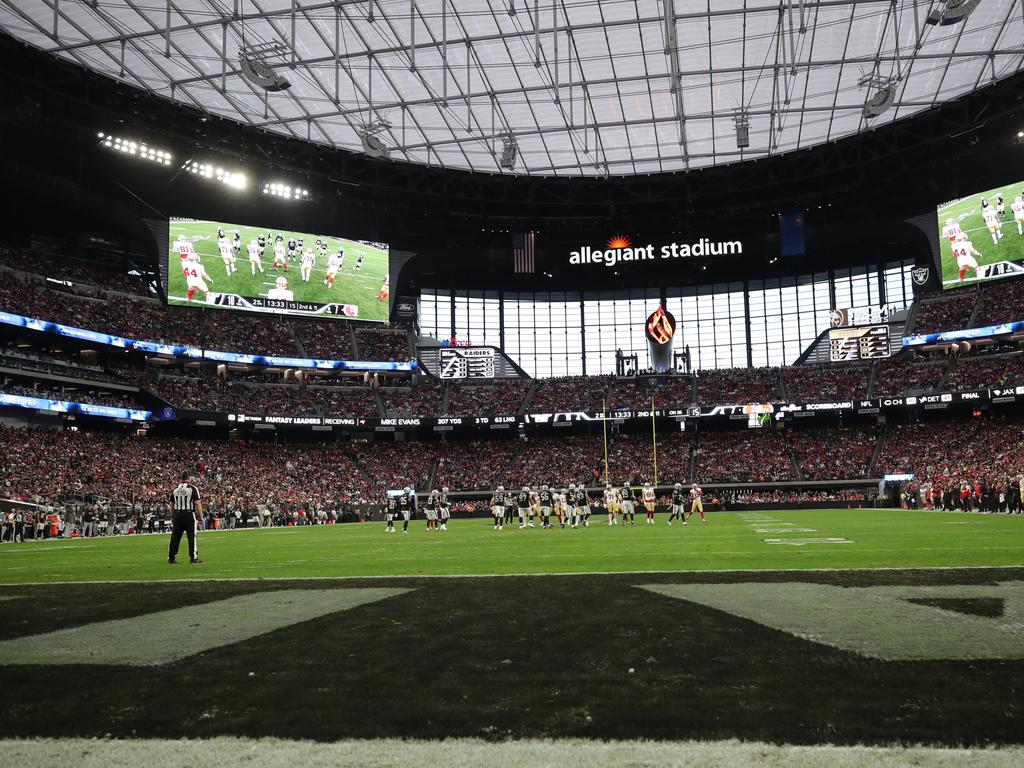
[(187, 508)]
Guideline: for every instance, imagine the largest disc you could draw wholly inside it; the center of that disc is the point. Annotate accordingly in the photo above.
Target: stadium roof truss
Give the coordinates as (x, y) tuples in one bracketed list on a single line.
[(580, 87)]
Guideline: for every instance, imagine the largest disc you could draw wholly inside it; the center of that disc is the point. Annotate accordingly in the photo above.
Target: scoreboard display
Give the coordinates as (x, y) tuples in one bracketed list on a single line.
[(865, 343)]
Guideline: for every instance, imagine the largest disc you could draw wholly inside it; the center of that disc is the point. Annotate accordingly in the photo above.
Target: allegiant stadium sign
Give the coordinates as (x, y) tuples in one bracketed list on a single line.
[(620, 250)]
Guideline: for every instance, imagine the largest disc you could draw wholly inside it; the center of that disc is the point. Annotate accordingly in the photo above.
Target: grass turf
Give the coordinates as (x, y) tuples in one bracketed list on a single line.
[(507, 658), (729, 541), (351, 286), (968, 211)]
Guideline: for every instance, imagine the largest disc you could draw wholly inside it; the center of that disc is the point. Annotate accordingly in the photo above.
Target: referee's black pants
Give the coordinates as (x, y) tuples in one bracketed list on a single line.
[(183, 523)]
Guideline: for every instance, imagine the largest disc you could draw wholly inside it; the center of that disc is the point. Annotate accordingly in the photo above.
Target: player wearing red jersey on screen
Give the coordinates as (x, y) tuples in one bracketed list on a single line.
[(697, 502), (995, 226), (964, 254), (279, 259), (382, 294), (184, 249), (951, 230), (333, 265), (1018, 213), (195, 276)]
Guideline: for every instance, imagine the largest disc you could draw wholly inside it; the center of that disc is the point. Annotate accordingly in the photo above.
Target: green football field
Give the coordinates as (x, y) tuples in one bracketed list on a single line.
[(967, 210), (858, 538), (862, 638), (357, 287)]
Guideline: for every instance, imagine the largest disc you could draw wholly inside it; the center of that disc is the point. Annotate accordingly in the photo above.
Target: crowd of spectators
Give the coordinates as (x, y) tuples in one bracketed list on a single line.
[(738, 385), (1001, 302), (104, 469), (833, 454), (859, 496), (631, 457), (206, 393), (423, 399), (976, 372), (569, 393), (324, 340), (757, 455), (499, 398), (944, 312), (249, 334), (949, 451), (899, 374), (636, 393), (826, 383), (387, 344), (102, 275), (343, 401), (394, 465)]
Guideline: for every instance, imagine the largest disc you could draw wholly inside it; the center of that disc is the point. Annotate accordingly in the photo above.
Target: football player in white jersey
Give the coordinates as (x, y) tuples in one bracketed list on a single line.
[(611, 502), (649, 501), (280, 290), (279, 255), (308, 260), (255, 256), (184, 249), (964, 254), (697, 501), (995, 226), (333, 265), (1018, 213), (227, 253), (195, 276), (951, 230)]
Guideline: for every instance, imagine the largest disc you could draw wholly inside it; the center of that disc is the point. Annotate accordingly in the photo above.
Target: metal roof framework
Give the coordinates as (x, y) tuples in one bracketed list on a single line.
[(584, 88)]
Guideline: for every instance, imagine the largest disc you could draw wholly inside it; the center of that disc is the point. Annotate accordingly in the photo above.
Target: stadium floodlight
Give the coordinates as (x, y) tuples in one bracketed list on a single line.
[(233, 179), (139, 149), (949, 12), (285, 191), (255, 64), (372, 143), (509, 151), (881, 94), (742, 121)]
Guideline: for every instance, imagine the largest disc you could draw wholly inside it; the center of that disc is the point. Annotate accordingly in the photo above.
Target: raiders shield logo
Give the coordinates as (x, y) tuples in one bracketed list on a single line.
[(920, 275)]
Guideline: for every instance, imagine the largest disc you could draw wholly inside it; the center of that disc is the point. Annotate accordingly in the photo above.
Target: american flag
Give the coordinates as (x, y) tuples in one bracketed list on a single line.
[(523, 251)]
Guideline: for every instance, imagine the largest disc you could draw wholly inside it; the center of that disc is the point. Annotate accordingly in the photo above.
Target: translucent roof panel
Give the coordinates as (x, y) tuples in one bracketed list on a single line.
[(578, 87)]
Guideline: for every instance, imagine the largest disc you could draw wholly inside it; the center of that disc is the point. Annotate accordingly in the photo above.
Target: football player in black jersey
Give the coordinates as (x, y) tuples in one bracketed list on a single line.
[(678, 504), (545, 505), (498, 502)]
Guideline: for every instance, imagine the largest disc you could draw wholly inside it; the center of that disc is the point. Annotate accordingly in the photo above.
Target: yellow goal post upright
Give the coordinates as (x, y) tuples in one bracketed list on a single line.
[(654, 444), (604, 426)]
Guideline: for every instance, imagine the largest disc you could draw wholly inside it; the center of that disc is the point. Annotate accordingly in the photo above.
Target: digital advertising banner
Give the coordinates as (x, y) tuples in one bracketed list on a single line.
[(262, 269)]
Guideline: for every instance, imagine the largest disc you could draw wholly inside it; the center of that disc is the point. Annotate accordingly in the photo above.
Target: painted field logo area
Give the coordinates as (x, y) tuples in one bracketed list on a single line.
[(166, 636), (889, 623)]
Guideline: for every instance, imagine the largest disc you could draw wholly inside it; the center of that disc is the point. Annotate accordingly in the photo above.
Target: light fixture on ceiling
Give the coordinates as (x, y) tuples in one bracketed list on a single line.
[(881, 94), (509, 151), (742, 121), (286, 191), (232, 179), (139, 149), (371, 141), (951, 12), (255, 64)]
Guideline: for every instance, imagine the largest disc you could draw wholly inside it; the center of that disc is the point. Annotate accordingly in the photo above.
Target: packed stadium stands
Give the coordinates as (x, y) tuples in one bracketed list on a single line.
[(833, 454), (498, 398), (738, 385), (944, 312), (570, 393), (819, 383), (897, 375), (749, 455), (1002, 302), (424, 399)]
